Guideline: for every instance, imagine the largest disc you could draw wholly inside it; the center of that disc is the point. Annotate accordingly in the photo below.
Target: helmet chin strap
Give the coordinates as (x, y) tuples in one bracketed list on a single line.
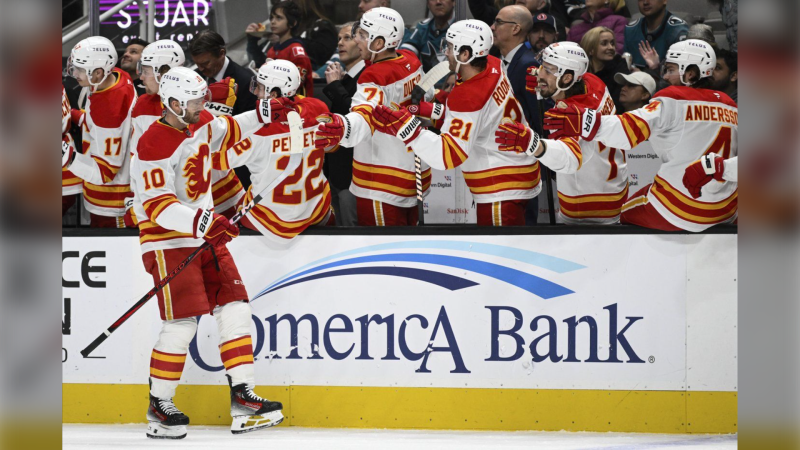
[(179, 117), (95, 85)]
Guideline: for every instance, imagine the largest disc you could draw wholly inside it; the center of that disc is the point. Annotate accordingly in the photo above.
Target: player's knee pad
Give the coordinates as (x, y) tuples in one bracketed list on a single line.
[(233, 320), (176, 335)]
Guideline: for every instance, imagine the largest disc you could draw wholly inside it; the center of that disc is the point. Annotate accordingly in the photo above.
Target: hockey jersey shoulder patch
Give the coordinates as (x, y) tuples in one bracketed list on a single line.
[(675, 21)]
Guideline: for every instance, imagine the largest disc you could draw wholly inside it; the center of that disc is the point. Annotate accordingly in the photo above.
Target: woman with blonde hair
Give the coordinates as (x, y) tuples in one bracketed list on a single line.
[(601, 13), (600, 45)]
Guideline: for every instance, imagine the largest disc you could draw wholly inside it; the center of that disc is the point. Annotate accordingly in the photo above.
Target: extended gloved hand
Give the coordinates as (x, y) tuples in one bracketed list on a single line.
[(274, 109), (572, 121), (515, 137), (223, 97), (214, 228), (67, 150), (701, 172), (428, 110), (397, 122), (330, 131), (531, 80)]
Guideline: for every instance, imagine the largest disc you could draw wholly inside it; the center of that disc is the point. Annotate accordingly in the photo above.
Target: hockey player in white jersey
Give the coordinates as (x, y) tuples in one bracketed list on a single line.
[(384, 175), (174, 203), (501, 183), (684, 123), (592, 178), (303, 199)]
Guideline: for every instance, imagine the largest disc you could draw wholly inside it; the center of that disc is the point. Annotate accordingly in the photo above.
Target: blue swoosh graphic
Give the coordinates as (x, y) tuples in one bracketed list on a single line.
[(447, 281), (531, 283), (548, 262)]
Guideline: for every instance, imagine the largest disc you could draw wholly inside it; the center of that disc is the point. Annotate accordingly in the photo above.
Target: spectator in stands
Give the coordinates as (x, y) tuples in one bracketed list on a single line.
[(600, 13), (130, 62), (449, 82), (315, 31), (636, 89), (366, 5), (425, 40), (658, 27), (604, 61), (510, 31), (729, 10), (703, 32), (285, 22), (209, 53), (543, 33), (342, 77), (726, 76), (555, 9), (486, 10)]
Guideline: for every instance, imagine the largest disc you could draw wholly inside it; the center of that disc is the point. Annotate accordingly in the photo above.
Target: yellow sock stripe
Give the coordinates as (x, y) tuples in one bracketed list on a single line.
[(162, 272), (238, 360), (239, 343), (165, 374), (169, 358)]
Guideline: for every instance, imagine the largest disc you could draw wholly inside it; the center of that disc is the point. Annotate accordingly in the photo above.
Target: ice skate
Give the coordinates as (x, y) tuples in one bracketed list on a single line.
[(165, 420), (251, 412)]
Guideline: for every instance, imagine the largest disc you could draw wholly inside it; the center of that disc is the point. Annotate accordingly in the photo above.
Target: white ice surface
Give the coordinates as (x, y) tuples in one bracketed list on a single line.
[(82, 437)]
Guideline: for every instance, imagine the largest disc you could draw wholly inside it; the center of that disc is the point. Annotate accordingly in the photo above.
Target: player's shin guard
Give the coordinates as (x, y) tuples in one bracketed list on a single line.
[(165, 420), (249, 411)]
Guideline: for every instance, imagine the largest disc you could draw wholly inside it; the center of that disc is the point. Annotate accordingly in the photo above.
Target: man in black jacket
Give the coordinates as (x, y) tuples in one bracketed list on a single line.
[(209, 53), (342, 78)]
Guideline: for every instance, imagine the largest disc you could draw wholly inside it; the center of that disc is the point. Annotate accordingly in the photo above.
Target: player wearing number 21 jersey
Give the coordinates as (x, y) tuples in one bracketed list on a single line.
[(683, 122), (303, 199), (501, 183)]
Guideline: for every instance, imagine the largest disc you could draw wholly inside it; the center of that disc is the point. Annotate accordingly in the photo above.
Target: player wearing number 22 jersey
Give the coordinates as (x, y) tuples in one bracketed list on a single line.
[(501, 182), (684, 123), (303, 199)]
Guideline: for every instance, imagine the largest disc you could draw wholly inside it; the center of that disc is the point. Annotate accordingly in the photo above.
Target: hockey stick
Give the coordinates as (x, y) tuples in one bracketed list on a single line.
[(417, 94), (295, 158)]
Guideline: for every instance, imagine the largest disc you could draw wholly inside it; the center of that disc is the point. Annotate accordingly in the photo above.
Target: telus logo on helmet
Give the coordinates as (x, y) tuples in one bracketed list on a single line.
[(171, 77), (474, 27), (387, 17)]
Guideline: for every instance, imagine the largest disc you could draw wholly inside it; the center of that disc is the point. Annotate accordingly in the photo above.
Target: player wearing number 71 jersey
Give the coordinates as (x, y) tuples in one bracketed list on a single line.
[(501, 183), (303, 199), (683, 122)]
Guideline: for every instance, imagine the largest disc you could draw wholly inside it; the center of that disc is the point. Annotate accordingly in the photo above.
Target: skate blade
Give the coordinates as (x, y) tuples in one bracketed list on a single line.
[(156, 430), (246, 424)]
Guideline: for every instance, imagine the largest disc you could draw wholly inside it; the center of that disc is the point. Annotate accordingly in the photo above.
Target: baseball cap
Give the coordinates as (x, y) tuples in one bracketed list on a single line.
[(639, 78), (545, 19)]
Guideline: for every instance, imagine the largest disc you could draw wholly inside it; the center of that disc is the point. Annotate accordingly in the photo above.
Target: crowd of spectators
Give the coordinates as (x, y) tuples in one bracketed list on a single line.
[(626, 53)]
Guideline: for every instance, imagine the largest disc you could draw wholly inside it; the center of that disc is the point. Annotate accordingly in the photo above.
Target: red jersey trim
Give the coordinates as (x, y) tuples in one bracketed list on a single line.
[(691, 94), (471, 95)]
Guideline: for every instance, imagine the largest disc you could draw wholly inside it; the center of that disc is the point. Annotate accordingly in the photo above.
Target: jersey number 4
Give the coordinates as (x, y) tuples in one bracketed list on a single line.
[(721, 144), (284, 195)]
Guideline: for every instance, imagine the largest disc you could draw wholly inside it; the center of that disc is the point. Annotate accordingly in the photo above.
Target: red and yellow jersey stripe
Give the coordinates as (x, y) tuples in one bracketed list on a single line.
[(592, 206), (106, 196), (510, 178), (226, 188), (157, 205), (389, 179), (150, 231), (288, 229), (691, 210), (233, 135), (69, 179), (452, 153), (636, 129), (365, 111), (573, 145)]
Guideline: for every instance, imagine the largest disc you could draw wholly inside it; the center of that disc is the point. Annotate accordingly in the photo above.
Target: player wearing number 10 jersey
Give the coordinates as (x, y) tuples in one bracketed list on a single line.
[(303, 199), (684, 122), (501, 183)]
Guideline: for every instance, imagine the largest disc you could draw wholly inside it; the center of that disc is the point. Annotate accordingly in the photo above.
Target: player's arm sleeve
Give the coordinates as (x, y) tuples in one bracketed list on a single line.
[(411, 41), (100, 165), (731, 169), (449, 149), (628, 130), (562, 155), (155, 181), (226, 131), (238, 155), (367, 97)]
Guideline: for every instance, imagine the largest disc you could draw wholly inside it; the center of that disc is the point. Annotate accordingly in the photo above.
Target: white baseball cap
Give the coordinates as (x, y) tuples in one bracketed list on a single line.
[(639, 78)]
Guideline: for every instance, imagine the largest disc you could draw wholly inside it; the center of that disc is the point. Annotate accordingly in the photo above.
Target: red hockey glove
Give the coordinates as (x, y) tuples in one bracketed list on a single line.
[(433, 111), (274, 110), (67, 150), (223, 97), (531, 80), (331, 130), (701, 172), (397, 122), (515, 137), (77, 117), (130, 216), (572, 121), (214, 228)]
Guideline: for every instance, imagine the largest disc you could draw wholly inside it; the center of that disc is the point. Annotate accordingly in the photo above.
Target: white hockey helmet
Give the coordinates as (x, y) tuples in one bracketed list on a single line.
[(184, 85), (469, 33), (95, 52), (381, 22), (566, 56), (692, 52), (159, 54), (277, 74)]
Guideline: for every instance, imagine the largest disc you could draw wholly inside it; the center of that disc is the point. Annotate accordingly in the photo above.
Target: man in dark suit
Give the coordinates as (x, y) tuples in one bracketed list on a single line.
[(510, 30), (342, 79), (209, 53)]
